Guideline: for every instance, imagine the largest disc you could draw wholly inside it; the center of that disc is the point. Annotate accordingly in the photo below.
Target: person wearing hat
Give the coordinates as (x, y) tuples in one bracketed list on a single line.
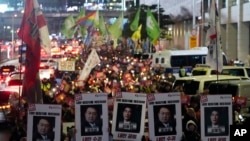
[(191, 133)]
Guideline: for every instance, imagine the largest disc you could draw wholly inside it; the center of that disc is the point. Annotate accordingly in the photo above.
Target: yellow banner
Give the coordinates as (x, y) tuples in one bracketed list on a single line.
[(192, 41)]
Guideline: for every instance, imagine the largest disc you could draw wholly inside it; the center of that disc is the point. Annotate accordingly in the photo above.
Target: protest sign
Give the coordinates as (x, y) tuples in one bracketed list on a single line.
[(44, 122), (91, 117), (216, 117), (164, 115), (129, 116)]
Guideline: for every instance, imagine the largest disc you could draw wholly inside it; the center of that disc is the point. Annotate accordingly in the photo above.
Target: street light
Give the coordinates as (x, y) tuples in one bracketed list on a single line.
[(12, 37)]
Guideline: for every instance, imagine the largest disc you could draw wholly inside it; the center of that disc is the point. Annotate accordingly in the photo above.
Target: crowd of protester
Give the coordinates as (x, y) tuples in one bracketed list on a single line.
[(119, 71)]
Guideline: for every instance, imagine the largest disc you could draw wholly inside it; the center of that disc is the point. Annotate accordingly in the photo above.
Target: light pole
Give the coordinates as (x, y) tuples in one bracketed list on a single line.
[(12, 35)]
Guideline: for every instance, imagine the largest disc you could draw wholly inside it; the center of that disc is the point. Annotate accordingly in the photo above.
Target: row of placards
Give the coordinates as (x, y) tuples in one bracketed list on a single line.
[(129, 111)]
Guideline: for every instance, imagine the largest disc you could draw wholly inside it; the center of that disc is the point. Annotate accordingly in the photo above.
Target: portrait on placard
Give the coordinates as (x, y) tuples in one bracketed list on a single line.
[(43, 127), (216, 121), (165, 121), (128, 118), (91, 120)]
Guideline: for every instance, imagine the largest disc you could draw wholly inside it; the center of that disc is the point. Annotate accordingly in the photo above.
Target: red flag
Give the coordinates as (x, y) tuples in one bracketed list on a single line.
[(213, 19), (213, 39), (33, 23)]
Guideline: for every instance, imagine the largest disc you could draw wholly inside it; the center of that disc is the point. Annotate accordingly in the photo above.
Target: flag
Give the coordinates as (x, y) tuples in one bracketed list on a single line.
[(68, 28), (88, 20), (32, 32), (213, 40), (92, 61), (152, 27), (135, 23), (102, 26), (116, 28), (81, 14), (137, 34)]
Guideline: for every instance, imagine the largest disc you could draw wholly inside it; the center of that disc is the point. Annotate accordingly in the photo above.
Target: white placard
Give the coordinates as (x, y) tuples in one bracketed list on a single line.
[(216, 117), (91, 117), (129, 116), (164, 115), (66, 65), (44, 122)]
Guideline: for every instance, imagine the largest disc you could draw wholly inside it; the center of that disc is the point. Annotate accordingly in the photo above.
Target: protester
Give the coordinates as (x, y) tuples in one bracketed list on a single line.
[(191, 133)]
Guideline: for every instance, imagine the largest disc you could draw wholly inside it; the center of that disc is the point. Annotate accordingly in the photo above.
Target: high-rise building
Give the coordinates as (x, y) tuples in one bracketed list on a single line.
[(70, 5)]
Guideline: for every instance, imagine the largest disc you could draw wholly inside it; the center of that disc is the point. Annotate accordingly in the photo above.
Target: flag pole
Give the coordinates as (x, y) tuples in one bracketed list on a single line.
[(159, 22)]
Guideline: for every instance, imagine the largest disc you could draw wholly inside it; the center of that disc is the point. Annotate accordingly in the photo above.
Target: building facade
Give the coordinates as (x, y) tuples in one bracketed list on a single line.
[(191, 16)]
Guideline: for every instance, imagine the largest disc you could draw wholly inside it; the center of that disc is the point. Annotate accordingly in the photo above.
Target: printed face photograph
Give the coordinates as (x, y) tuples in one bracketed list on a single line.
[(164, 120), (91, 121), (128, 117), (43, 128), (216, 121)]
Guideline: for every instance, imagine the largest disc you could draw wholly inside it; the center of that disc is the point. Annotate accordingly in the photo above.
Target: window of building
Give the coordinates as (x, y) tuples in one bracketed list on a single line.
[(245, 1), (234, 2), (223, 4), (206, 8)]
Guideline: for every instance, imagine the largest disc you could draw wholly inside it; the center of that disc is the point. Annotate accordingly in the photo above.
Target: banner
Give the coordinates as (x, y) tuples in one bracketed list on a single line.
[(66, 65), (129, 116), (92, 61), (164, 116), (216, 117), (92, 117), (44, 122)]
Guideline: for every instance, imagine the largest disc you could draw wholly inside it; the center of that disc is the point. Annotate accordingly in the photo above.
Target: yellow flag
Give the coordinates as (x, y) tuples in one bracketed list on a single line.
[(137, 34)]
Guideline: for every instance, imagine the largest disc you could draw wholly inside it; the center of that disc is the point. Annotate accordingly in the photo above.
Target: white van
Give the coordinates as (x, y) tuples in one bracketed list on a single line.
[(193, 85), (236, 71), (172, 60)]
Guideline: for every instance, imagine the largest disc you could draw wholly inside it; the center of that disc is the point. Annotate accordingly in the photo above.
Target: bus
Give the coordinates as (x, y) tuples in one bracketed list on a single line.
[(173, 59)]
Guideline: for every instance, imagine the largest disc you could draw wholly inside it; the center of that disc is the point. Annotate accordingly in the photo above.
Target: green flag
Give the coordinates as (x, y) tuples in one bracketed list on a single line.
[(102, 26), (68, 28), (152, 27), (97, 19), (135, 23), (115, 29)]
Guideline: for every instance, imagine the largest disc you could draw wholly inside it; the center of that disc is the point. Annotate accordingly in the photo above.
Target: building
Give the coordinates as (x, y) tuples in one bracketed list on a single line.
[(191, 16)]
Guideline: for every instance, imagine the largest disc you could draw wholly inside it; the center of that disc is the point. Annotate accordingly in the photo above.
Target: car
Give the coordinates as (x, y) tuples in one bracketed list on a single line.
[(9, 97), (236, 71), (48, 62), (202, 69), (45, 71), (14, 79), (6, 70), (195, 85)]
